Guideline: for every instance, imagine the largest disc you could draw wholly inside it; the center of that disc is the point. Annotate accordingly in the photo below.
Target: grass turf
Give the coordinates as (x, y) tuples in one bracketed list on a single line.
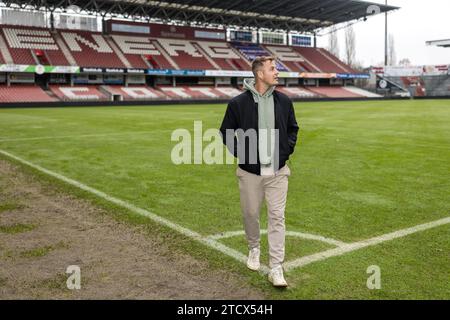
[(361, 169)]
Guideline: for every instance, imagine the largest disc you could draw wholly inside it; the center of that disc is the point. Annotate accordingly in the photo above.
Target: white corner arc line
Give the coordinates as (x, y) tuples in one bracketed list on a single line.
[(310, 236), (184, 231), (301, 262), (302, 235)]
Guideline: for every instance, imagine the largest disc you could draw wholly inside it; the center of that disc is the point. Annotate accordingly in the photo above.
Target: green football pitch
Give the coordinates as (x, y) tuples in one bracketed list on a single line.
[(370, 186)]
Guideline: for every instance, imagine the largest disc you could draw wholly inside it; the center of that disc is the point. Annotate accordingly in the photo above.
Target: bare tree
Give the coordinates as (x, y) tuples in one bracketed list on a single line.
[(392, 56), (405, 62), (350, 46), (333, 44)]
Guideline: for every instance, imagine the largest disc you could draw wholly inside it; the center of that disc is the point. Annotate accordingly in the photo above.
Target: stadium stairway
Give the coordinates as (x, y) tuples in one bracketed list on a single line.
[(65, 51), (5, 56), (117, 51)]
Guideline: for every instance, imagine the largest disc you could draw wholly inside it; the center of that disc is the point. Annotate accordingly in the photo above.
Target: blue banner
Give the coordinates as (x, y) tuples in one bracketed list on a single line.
[(170, 72), (352, 76)]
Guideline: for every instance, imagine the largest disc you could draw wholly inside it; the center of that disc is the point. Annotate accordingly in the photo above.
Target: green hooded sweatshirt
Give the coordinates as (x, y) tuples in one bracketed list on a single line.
[(266, 122)]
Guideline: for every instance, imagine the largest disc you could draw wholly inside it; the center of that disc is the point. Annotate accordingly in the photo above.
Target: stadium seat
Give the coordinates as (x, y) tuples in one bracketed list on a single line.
[(21, 41), (223, 55), (24, 93), (318, 61), (90, 49), (334, 92), (288, 56), (199, 92), (251, 51), (135, 92), (185, 54), (297, 92), (175, 93), (77, 93), (142, 52), (338, 62), (33, 46)]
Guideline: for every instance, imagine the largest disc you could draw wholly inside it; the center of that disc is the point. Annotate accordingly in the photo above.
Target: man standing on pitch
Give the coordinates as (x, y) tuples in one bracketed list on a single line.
[(262, 171)]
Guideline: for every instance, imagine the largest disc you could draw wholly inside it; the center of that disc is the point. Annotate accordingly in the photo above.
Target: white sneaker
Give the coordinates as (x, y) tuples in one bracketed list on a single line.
[(253, 259), (276, 277)]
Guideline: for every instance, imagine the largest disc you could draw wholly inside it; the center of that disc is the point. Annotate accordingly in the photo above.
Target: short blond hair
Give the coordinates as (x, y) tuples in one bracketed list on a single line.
[(259, 62)]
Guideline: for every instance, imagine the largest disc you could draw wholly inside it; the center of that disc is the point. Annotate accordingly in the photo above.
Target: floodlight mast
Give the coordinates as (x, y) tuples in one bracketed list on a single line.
[(386, 37)]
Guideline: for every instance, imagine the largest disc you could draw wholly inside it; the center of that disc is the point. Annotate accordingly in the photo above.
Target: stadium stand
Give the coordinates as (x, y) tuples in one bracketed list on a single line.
[(362, 92), (290, 58), (77, 93), (143, 52), (211, 92), (20, 42), (185, 54), (317, 61), (223, 55), (117, 50), (252, 50), (198, 92), (132, 92), (297, 92), (335, 92), (338, 63), (24, 93), (59, 54), (90, 49), (32, 46), (117, 92)]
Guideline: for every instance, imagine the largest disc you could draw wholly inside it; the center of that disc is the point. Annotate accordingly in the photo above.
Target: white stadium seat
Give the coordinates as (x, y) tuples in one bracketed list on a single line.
[(172, 46), (219, 50), (135, 45), (30, 39), (99, 44), (285, 53)]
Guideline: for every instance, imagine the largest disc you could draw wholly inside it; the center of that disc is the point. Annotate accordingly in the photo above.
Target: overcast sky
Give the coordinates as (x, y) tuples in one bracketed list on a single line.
[(416, 22)]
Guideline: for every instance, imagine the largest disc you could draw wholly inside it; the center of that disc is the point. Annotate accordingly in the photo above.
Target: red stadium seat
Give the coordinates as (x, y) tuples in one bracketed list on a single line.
[(24, 93), (77, 93), (321, 61), (334, 92), (32, 46), (135, 92), (90, 49)]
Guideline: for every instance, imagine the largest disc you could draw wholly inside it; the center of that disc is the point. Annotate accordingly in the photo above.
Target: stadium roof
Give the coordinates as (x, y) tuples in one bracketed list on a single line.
[(439, 43), (293, 15)]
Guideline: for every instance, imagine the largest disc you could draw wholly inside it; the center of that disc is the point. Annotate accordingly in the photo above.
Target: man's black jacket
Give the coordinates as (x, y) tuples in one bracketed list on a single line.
[(242, 113)]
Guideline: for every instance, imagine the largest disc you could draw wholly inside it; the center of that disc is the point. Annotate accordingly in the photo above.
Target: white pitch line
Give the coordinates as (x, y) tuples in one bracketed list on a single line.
[(210, 242), (73, 136), (184, 231), (302, 235), (301, 262)]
